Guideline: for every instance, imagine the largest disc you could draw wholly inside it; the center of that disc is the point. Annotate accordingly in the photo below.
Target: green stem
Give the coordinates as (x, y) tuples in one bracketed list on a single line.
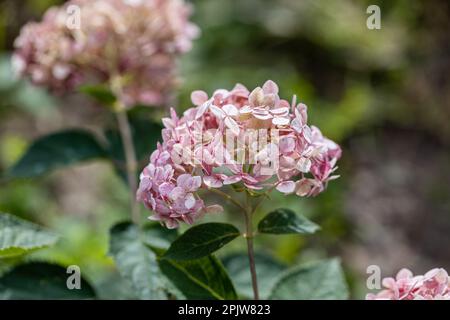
[(248, 215), (131, 162), (251, 254), (227, 197), (128, 144)]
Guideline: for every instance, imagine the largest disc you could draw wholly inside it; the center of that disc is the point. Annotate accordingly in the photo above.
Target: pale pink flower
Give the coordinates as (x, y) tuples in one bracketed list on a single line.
[(300, 160), (265, 107), (434, 285), (227, 114), (133, 44)]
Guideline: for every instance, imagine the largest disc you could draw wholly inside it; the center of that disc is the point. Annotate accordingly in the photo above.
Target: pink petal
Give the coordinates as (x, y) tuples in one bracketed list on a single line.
[(287, 145), (221, 93), (217, 111), (177, 193), (239, 87), (187, 218), (304, 165), (232, 180), (232, 125), (168, 123), (189, 201), (278, 121), (202, 109), (230, 110), (253, 187), (301, 113), (256, 97), (171, 224), (212, 182), (214, 209), (404, 274), (165, 189), (249, 178), (270, 87), (442, 276), (262, 116), (303, 187), (307, 134), (280, 111), (194, 183), (155, 217), (335, 177), (286, 186), (199, 97), (296, 125), (183, 180), (245, 110), (389, 283)]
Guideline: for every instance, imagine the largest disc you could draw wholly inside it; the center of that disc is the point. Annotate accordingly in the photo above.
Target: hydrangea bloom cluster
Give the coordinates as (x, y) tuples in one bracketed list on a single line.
[(434, 285), (135, 42), (212, 145)]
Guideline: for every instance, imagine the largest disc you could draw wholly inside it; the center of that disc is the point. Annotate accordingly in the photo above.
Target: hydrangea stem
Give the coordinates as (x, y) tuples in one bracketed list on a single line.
[(227, 197), (248, 211), (131, 162), (251, 254)]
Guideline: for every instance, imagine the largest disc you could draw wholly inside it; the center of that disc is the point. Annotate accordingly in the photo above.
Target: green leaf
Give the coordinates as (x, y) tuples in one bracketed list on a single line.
[(99, 93), (284, 221), (267, 270), (114, 287), (7, 264), (199, 279), (156, 236), (41, 281), (145, 134), (56, 151), (323, 280), (18, 236), (199, 241), (137, 263)]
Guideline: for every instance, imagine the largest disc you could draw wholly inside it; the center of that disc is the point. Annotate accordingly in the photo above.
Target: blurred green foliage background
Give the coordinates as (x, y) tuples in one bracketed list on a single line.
[(384, 95)]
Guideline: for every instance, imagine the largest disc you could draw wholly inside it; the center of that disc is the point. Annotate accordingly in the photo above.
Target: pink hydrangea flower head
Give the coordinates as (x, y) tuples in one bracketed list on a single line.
[(251, 139), (434, 285), (131, 42)]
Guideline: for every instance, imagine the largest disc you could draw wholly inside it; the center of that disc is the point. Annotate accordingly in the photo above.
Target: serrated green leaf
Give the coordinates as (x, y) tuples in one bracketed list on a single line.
[(199, 279), (41, 281), (18, 236), (267, 270), (55, 151), (285, 221), (202, 240), (137, 263), (322, 280)]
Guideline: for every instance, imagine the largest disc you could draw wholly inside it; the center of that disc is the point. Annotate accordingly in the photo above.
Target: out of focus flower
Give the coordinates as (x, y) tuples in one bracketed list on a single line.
[(434, 285), (253, 140), (133, 43)]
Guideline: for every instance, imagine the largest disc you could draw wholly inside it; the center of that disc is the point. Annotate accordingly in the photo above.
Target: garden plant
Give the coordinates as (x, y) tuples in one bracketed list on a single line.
[(202, 171)]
